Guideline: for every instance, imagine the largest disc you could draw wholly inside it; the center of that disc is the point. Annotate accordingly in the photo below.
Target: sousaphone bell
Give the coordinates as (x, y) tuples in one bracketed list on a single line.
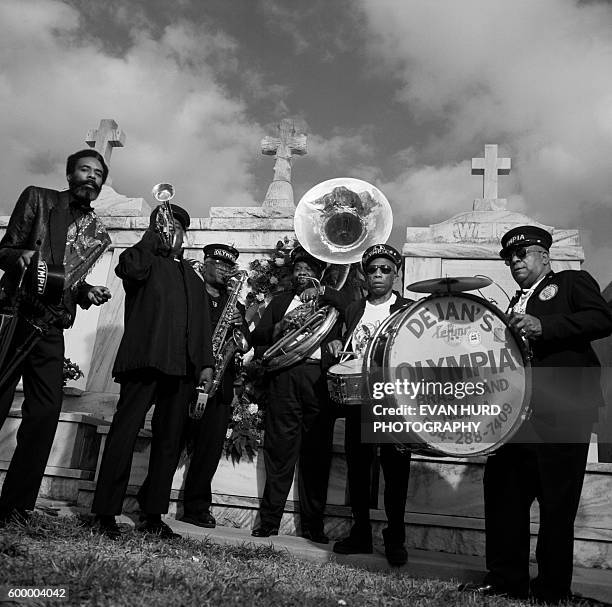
[(335, 221)]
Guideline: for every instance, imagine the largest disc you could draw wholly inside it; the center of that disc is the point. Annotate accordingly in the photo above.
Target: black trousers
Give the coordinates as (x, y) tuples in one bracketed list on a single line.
[(139, 390), (299, 423), (42, 388), (207, 436), (514, 476), (396, 471)]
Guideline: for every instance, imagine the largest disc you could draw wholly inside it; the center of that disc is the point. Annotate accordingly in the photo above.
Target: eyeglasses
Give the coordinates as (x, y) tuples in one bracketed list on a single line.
[(520, 252), (384, 269)]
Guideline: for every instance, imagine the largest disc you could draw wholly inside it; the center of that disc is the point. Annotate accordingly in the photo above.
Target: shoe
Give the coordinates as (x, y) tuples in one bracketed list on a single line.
[(105, 524), (264, 531), (205, 519), (157, 527), (16, 516), (353, 545), (318, 537), (396, 554), (487, 589)]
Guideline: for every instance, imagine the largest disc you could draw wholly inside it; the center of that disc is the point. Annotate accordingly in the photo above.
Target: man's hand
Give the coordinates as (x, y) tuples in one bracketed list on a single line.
[(24, 260), (335, 347), (206, 378), (236, 318), (98, 295), (309, 294), (527, 325)]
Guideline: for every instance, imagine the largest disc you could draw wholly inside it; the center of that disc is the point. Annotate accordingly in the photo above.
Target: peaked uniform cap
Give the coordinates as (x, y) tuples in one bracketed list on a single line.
[(178, 212), (523, 236), (381, 250), (224, 252), (299, 253)]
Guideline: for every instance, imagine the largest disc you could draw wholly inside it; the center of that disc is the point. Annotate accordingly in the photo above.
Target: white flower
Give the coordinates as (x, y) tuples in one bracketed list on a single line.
[(253, 408), (253, 274), (273, 280), (341, 602), (265, 263), (279, 261), (260, 297)]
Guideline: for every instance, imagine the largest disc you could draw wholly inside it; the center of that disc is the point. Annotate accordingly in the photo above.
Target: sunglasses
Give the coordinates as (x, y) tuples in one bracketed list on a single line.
[(384, 269), (520, 252)]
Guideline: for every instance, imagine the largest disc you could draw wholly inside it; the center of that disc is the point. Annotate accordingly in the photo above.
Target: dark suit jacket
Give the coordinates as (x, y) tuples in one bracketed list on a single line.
[(167, 319), (39, 221), (262, 334), (566, 370)]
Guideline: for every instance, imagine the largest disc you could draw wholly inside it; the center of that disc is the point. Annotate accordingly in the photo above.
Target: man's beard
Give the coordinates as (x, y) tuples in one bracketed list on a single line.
[(86, 191)]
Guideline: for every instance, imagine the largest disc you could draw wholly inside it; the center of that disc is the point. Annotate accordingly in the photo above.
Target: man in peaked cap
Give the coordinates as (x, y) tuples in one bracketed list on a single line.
[(164, 354), (208, 432), (380, 264), (560, 314), (299, 422)]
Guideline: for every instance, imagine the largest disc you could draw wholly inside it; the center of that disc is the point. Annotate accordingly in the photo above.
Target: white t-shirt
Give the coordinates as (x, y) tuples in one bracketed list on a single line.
[(373, 315), (295, 302)]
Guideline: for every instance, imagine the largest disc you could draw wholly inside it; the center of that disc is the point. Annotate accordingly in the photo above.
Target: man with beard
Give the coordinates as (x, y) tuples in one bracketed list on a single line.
[(207, 434), (380, 264), (299, 420), (560, 314), (58, 229), (164, 353)]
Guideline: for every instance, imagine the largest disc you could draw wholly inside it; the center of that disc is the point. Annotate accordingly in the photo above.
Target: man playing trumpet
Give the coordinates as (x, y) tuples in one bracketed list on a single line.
[(208, 432), (165, 352)]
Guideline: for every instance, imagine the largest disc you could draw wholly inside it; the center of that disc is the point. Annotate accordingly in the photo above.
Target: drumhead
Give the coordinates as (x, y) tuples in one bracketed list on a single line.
[(447, 375)]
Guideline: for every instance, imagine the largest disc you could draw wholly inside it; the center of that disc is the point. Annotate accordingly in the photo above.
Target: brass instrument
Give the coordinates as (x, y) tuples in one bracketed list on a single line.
[(164, 220), (335, 221), (227, 338)]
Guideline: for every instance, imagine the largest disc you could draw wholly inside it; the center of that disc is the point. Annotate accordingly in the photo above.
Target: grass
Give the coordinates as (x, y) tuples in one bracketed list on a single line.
[(141, 570)]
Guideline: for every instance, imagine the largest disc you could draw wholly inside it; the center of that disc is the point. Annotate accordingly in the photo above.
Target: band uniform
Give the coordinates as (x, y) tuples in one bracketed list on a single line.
[(560, 314), (207, 434)]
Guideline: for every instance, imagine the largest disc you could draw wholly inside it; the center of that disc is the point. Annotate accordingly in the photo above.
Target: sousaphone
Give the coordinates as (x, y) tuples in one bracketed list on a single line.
[(335, 221)]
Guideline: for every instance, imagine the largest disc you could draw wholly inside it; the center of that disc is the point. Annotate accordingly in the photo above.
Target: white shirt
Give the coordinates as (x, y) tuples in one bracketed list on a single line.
[(373, 315), (520, 307)]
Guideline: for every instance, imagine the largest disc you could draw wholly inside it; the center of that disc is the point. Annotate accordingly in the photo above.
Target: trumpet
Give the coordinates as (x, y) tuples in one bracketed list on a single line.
[(164, 219)]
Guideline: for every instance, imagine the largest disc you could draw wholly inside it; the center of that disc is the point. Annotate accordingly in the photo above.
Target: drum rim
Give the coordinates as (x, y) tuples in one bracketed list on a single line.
[(522, 344)]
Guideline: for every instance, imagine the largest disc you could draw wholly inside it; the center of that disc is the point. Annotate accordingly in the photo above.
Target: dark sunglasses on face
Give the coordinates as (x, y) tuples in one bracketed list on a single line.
[(384, 269), (521, 253)]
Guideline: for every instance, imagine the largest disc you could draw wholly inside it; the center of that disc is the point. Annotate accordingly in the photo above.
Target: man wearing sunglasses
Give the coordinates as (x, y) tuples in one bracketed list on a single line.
[(380, 264), (559, 314), (207, 433)]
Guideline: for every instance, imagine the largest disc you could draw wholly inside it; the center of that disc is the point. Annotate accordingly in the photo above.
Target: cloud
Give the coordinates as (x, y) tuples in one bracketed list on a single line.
[(182, 125), (527, 75)]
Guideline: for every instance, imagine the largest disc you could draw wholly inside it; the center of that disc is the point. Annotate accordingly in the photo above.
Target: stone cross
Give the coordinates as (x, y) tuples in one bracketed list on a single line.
[(491, 166), (106, 137), (283, 147)]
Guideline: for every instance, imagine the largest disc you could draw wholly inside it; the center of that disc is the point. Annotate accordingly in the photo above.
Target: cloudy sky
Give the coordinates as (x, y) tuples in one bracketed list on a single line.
[(402, 93)]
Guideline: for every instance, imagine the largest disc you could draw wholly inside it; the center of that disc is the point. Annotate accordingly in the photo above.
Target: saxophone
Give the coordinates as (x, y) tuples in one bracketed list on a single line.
[(228, 339)]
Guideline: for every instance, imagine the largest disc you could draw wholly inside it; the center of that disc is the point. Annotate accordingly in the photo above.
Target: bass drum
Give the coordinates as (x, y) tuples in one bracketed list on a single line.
[(446, 376)]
